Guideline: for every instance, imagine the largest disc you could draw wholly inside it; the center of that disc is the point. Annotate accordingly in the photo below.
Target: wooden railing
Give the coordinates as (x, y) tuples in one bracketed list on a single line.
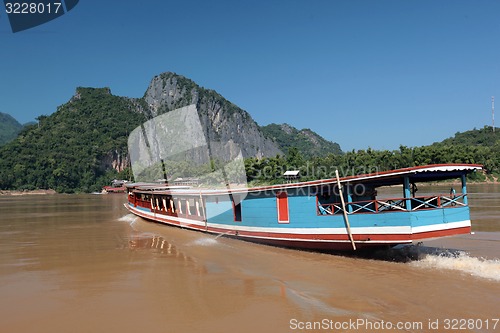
[(393, 204)]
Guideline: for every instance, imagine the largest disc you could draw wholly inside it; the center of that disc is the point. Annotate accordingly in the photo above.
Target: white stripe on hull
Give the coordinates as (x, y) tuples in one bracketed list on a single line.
[(403, 230), (441, 226)]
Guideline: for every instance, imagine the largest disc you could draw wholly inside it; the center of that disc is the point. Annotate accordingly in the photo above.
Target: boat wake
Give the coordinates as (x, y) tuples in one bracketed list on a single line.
[(130, 218), (427, 257), (210, 241), (462, 262), (205, 241)]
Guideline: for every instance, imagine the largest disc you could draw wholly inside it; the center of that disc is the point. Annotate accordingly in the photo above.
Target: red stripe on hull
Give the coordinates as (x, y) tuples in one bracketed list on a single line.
[(323, 246), (441, 233), (330, 237)]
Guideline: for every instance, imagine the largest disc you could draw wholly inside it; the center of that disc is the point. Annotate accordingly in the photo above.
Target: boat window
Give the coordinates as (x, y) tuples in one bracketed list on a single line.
[(362, 192), (191, 208), (362, 199), (327, 203), (327, 198), (197, 204)]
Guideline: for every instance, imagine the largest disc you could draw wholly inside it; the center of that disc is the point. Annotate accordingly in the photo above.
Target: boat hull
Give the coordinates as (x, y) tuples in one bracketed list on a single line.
[(324, 239)]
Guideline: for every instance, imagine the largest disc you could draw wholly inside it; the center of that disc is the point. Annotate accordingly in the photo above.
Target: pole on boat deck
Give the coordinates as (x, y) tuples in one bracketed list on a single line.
[(464, 189), (407, 192), (346, 218)]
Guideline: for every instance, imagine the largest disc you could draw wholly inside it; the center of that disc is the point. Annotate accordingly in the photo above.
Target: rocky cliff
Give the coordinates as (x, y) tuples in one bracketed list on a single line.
[(221, 120)]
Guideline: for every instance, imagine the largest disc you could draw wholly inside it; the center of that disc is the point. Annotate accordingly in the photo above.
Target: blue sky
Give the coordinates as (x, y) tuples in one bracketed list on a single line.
[(365, 74)]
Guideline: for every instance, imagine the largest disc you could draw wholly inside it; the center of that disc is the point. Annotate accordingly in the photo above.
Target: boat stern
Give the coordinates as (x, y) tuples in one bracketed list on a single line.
[(440, 223)]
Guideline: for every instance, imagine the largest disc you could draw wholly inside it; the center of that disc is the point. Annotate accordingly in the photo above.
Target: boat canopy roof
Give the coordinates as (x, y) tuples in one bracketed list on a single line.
[(154, 186), (426, 173)]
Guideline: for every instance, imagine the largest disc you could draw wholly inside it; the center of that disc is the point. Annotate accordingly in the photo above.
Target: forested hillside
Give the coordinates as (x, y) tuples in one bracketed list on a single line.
[(71, 149), (476, 146), (309, 143), (476, 137), (9, 128)]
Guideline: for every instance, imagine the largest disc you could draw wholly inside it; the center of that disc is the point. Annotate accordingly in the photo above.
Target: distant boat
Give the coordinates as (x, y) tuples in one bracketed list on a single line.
[(117, 186), (316, 214)]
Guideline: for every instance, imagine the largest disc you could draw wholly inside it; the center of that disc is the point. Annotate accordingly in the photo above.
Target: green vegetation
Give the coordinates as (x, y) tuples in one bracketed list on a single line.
[(473, 147), (68, 151), (9, 128), (306, 141), (482, 137)]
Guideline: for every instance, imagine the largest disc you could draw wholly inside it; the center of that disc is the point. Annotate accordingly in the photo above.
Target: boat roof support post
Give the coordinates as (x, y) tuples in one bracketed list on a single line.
[(203, 212), (464, 188), (407, 192), (349, 197)]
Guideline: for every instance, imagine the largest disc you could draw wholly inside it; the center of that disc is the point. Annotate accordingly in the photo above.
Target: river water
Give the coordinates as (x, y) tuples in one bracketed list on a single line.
[(80, 263)]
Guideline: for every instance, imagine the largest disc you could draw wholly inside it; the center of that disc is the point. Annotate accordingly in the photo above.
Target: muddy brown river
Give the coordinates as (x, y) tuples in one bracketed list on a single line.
[(81, 263)]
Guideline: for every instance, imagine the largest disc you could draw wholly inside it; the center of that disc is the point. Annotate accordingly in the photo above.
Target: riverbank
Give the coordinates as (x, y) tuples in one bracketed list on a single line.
[(446, 182), (33, 192)]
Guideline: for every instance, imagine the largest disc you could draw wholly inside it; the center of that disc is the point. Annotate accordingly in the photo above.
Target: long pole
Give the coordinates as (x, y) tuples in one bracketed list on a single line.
[(346, 218)]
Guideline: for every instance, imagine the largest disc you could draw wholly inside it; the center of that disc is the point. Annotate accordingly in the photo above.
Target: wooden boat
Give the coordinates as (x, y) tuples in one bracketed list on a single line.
[(316, 214), (117, 186)]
